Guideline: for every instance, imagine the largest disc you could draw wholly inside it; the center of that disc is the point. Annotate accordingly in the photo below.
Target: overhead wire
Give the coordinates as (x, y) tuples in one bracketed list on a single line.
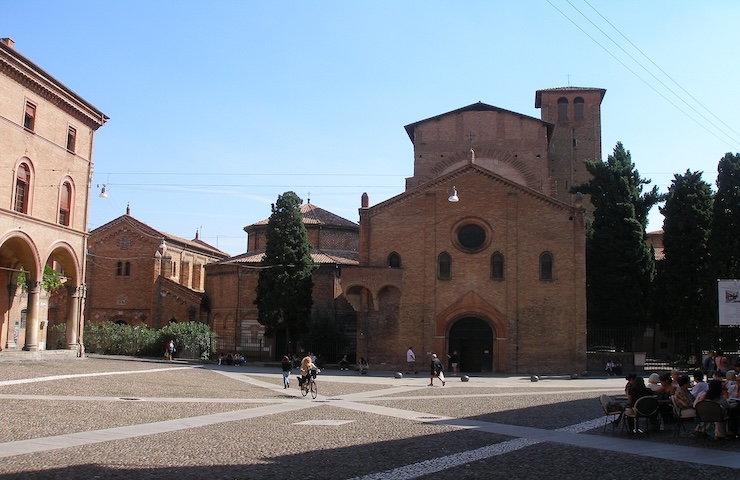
[(661, 70), (723, 140)]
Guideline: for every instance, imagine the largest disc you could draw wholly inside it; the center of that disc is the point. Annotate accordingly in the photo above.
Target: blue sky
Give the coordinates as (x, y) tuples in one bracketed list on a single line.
[(218, 107)]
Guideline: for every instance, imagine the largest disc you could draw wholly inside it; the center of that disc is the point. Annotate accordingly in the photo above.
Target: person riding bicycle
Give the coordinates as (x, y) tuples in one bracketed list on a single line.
[(307, 368)]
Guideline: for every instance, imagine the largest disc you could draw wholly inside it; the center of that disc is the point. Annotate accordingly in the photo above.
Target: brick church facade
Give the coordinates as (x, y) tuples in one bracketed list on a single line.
[(483, 253), (138, 275)]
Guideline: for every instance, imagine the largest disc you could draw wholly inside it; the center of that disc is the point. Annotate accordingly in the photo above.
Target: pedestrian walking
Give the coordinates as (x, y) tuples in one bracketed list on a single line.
[(170, 350), (411, 361), (287, 366), (436, 371)]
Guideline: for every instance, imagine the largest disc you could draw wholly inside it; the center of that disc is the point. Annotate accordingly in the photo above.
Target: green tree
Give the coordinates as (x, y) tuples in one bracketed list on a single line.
[(284, 288), (51, 280), (724, 240), (724, 237), (683, 274), (620, 266)]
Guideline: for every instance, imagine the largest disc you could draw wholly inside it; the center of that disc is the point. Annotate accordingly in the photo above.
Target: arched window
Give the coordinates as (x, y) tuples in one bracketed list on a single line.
[(444, 266), (119, 269), (546, 266), (65, 204), (578, 108), (394, 260), (497, 266), (22, 188), (562, 108), (127, 269)]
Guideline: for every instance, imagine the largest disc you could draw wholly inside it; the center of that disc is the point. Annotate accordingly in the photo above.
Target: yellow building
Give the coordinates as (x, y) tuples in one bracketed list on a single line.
[(46, 144)]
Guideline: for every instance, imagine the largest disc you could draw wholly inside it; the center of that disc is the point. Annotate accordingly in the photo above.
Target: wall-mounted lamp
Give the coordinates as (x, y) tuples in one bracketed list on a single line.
[(103, 193), (453, 196)]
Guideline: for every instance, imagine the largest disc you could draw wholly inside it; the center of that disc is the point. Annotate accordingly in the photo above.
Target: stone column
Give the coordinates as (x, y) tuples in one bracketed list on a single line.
[(32, 317), (73, 316), (10, 323)]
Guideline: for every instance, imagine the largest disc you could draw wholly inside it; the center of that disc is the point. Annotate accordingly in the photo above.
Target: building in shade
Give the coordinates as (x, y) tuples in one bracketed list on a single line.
[(47, 133)]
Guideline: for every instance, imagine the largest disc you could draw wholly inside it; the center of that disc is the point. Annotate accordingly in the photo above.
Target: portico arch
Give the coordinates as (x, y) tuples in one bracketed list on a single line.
[(64, 260), (19, 252)]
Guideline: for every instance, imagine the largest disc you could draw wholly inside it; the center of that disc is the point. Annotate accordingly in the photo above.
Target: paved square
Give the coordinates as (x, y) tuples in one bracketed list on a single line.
[(110, 417)]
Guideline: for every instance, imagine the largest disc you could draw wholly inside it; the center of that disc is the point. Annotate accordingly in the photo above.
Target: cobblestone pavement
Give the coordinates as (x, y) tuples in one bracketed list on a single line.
[(125, 418)]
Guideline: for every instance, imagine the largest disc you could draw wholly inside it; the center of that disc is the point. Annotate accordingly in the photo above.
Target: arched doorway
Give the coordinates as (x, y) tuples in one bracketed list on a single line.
[(473, 340)]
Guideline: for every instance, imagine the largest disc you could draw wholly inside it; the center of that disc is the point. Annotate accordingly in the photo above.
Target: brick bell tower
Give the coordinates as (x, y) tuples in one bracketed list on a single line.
[(576, 114)]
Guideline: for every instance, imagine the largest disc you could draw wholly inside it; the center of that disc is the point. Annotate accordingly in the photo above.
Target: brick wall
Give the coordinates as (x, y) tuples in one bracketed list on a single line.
[(522, 309)]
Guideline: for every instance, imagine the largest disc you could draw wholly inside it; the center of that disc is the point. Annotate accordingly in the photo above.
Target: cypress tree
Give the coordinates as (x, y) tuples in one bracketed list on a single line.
[(284, 288), (684, 276), (724, 237), (620, 266)]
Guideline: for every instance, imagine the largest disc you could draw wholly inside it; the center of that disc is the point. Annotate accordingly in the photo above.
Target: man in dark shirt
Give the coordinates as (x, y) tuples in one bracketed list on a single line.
[(436, 371)]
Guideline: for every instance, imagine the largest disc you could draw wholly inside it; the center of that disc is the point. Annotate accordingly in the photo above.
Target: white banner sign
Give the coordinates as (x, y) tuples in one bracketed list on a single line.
[(729, 302)]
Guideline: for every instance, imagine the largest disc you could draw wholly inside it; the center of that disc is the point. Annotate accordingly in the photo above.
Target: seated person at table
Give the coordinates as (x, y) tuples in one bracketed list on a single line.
[(637, 391), (699, 384), (664, 397), (630, 381), (682, 397), (714, 394), (654, 382), (731, 384)]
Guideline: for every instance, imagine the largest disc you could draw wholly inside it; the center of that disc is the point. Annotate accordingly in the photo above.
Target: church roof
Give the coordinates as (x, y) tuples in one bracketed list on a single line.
[(195, 244), (313, 215), (475, 107), (319, 257), (463, 170)]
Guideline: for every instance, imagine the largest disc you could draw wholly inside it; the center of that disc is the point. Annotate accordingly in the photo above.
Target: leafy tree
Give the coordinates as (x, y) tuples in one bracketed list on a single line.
[(684, 272), (724, 238), (51, 280), (724, 241), (619, 264), (284, 287)]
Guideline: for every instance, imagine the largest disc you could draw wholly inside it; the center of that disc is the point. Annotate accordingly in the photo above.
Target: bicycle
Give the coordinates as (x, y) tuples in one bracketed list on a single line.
[(310, 385)]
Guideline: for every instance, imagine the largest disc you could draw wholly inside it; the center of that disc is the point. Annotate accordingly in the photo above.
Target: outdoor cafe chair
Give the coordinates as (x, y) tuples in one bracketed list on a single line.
[(708, 411), (644, 407), (612, 411), (681, 415)]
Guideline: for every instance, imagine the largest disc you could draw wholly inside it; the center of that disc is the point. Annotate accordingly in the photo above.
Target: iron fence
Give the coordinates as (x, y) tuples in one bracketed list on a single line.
[(672, 346)]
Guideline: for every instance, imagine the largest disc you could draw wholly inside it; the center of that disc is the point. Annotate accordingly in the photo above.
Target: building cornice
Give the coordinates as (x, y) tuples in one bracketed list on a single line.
[(29, 75)]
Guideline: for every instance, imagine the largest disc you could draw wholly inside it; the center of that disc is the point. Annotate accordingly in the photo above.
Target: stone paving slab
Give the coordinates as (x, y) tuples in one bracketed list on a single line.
[(90, 415), (369, 427)]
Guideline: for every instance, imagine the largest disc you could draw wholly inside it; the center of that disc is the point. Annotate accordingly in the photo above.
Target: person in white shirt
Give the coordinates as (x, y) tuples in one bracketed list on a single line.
[(411, 361), (700, 385), (731, 384)]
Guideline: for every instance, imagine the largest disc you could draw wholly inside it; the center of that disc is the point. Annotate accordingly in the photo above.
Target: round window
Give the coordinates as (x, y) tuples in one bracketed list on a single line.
[(471, 236)]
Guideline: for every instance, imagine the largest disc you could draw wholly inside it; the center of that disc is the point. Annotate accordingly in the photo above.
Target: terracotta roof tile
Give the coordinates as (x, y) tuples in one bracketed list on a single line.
[(313, 215), (320, 257)]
